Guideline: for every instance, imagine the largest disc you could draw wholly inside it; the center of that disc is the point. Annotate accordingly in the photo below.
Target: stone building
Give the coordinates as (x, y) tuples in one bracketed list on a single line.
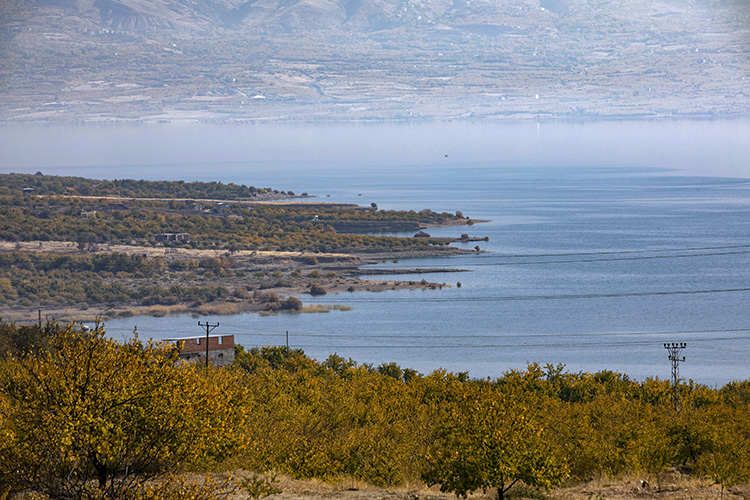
[(161, 237), (193, 349)]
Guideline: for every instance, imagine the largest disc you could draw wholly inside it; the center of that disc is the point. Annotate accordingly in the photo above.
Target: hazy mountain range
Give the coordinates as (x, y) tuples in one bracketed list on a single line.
[(90, 60)]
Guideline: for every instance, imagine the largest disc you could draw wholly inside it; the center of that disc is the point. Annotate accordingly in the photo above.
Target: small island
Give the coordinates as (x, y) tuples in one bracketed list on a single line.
[(77, 248)]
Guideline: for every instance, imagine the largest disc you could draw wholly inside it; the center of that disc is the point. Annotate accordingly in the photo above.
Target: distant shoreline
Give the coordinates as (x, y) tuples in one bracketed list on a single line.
[(345, 268), (304, 119)]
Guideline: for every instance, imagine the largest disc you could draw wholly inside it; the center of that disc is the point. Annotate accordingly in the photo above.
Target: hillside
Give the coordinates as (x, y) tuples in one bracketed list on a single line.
[(261, 60)]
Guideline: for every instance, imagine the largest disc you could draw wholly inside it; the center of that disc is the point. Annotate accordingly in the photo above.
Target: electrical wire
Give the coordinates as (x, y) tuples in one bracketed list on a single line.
[(617, 252), (576, 345), (605, 252), (538, 297), (576, 261), (266, 333), (615, 259), (515, 335)]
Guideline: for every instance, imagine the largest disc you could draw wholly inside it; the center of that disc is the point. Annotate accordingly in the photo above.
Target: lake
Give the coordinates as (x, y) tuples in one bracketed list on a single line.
[(606, 240)]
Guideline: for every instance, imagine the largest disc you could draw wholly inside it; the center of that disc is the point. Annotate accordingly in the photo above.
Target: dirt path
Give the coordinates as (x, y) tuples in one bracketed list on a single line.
[(186, 253)]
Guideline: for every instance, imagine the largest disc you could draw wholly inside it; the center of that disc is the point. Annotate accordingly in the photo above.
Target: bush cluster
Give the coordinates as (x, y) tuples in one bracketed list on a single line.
[(127, 188), (56, 213), (114, 279), (277, 409)]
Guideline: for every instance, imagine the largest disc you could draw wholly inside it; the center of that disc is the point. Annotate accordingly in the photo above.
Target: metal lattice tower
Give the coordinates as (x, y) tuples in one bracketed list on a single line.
[(675, 349)]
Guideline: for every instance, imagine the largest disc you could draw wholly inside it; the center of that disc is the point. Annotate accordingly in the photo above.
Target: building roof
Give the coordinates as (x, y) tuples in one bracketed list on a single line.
[(175, 339)]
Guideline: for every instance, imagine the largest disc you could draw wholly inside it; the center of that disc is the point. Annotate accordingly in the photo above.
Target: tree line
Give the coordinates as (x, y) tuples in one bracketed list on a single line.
[(85, 416), (115, 279), (267, 227), (128, 188), (30, 279)]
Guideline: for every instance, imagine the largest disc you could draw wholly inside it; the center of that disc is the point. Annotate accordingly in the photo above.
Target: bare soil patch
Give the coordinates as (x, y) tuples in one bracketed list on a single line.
[(674, 486)]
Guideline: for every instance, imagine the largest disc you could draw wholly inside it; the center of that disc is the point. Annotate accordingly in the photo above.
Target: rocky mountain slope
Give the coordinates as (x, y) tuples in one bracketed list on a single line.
[(85, 60)]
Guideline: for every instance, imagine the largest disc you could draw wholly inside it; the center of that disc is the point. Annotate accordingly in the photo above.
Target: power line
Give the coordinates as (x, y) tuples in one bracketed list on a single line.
[(576, 345), (516, 335), (540, 297), (619, 252), (615, 259), (493, 346), (613, 252), (742, 362), (733, 350), (544, 262), (242, 330), (266, 333)]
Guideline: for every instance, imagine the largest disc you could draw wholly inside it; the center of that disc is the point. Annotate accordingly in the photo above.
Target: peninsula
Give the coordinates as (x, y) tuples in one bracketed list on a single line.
[(81, 248)]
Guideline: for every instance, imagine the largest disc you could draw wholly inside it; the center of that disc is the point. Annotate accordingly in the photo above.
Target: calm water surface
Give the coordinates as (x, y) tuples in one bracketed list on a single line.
[(606, 240)]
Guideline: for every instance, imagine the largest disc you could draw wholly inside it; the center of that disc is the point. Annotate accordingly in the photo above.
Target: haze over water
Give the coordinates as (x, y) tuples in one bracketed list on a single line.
[(606, 239)]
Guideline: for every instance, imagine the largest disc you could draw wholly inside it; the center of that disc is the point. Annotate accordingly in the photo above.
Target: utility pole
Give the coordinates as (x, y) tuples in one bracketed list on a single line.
[(208, 326), (675, 349), (287, 339)]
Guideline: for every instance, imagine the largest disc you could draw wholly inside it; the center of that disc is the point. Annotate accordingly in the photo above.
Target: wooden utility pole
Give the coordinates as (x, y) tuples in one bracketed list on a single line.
[(208, 326)]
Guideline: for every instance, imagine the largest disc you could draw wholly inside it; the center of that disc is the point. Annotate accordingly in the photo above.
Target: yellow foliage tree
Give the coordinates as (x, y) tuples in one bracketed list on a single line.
[(725, 457), (95, 418), (493, 440)]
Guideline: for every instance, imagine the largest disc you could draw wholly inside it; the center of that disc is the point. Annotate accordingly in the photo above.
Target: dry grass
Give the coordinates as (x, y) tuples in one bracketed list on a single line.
[(311, 309), (222, 308), (674, 487), (343, 489), (159, 251), (315, 308)]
